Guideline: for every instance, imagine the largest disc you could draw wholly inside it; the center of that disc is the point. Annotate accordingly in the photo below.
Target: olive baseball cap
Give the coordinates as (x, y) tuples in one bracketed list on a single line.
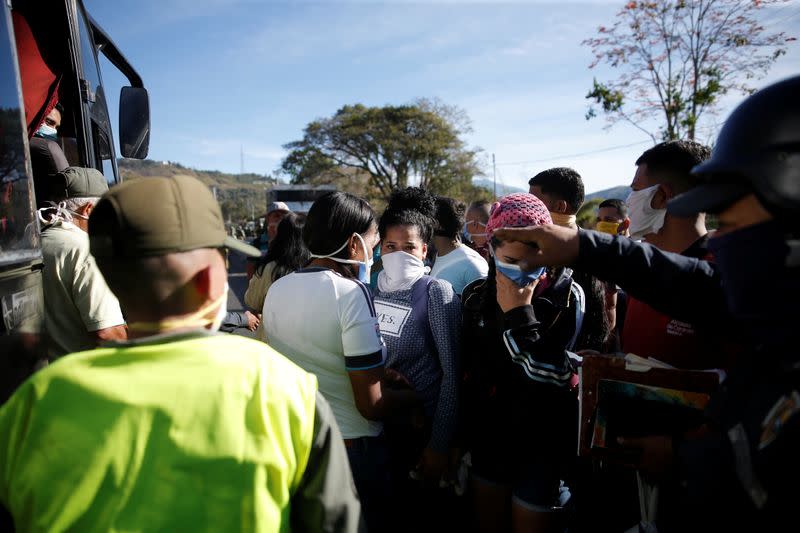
[(159, 216), (75, 182)]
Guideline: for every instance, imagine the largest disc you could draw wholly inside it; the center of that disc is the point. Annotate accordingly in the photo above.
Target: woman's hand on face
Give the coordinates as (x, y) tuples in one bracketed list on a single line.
[(510, 295)]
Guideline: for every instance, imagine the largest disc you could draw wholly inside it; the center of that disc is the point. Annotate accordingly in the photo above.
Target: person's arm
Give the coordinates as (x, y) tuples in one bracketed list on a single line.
[(611, 306), (326, 499), (114, 333), (98, 307), (364, 356), (663, 280), (542, 357), (374, 400), (444, 319)]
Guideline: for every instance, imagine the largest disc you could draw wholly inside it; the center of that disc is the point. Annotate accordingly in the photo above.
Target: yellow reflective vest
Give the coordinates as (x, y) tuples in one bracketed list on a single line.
[(192, 433)]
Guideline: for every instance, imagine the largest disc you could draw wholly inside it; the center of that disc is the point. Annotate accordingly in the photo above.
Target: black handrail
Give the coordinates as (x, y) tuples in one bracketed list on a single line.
[(109, 49)]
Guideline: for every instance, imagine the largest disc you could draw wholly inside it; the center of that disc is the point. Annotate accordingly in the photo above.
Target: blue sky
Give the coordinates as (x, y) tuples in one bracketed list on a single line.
[(229, 73)]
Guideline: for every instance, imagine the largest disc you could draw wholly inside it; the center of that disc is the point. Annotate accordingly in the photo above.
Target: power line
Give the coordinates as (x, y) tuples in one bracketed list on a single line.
[(579, 154), (774, 17)]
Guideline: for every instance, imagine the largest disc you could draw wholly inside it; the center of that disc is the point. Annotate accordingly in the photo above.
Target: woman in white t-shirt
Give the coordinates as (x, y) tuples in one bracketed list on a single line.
[(323, 318)]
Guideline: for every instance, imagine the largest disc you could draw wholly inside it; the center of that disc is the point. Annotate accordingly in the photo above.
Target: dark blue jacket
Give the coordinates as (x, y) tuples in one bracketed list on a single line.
[(741, 473)]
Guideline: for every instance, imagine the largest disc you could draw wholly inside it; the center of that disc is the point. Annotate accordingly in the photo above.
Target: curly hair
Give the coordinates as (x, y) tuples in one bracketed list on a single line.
[(412, 206)]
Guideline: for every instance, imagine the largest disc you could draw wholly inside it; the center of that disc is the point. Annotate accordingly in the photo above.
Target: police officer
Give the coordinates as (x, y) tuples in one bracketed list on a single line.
[(740, 470)]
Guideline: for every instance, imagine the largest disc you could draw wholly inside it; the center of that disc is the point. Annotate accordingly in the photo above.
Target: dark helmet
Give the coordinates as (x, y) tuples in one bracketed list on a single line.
[(757, 151)]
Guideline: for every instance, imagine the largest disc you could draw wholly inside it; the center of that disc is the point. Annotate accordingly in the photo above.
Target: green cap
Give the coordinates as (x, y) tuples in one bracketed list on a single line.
[(76, 182), (159, 216)]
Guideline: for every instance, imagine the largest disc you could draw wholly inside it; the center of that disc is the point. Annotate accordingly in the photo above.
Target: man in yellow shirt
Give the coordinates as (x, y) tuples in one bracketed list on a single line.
[(178, 428)]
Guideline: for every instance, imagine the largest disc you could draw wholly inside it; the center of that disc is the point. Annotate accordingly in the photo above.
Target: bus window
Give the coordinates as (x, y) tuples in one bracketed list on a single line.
[(18, 229), (98, 111)]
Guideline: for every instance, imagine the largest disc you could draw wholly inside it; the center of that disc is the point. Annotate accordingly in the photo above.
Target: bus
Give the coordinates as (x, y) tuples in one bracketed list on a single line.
[(48, 58)]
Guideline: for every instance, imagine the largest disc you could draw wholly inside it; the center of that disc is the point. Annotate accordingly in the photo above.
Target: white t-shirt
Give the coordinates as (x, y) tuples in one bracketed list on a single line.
[(77, 299), (460, 267), (326, 324)]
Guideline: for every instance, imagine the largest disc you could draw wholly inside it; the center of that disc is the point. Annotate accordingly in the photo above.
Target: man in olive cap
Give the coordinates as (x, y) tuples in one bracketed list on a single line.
[(80, 309), (179, 428)]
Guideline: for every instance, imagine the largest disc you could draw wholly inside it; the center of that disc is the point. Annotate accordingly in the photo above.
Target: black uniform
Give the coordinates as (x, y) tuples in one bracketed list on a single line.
[(742, 473)]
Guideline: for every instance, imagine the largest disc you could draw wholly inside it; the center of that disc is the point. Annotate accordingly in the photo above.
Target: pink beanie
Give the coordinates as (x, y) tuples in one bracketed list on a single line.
[(517, 210)]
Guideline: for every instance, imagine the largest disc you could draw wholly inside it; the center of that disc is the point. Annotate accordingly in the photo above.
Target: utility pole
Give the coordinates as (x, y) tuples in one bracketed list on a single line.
[(494, 174), (241, 153)]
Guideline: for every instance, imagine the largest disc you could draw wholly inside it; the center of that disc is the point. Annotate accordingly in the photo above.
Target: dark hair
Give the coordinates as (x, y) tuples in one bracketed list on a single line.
[(287, 250), (449, 216), (614, 203), (333, 219), (562, 182), (483, 206), (58, 107), (595, 329), (673, 161), (412, 206)]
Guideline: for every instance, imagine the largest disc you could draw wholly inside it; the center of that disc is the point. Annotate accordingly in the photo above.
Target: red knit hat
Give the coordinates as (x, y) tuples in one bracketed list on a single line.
[(517, 210)]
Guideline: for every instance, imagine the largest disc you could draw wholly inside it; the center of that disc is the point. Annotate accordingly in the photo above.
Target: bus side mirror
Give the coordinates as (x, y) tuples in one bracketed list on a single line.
[(134, 122)]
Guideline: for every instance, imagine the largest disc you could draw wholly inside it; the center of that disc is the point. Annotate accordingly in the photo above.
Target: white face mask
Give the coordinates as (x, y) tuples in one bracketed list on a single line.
[(58, 213), (471, 236), (400, 271), (363, 266), (644, 218)]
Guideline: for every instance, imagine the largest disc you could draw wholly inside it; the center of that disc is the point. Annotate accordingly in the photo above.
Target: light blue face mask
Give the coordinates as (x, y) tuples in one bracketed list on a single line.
[(47, 132), (515, 272), (363, 266)]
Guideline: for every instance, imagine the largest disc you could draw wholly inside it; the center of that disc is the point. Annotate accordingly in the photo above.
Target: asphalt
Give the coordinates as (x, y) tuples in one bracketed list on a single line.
[(237, 285), (237, 282)]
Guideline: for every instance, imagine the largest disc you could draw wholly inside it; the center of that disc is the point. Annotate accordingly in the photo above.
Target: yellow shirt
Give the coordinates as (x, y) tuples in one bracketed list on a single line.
[(192, 433)]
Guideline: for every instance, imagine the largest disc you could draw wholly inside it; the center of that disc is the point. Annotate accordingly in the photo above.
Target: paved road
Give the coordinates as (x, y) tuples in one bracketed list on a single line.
[(237, 283)]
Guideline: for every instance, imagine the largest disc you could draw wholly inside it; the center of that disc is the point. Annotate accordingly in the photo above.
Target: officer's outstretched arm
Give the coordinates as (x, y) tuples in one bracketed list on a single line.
[(681, 287), (326, 498)]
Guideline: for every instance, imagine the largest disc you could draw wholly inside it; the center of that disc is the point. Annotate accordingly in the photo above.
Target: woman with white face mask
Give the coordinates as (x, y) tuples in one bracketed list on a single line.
[(420, 320), (322, 317)]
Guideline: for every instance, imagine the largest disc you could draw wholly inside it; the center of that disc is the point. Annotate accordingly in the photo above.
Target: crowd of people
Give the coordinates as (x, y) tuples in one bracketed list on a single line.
[(434, 389)]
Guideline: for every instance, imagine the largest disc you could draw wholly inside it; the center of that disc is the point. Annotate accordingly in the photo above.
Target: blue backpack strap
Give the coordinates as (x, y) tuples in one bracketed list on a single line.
[(419, 301)]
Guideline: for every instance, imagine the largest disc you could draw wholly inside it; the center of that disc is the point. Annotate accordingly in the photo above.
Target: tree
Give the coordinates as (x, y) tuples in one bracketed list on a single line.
[(678, 57), (395, 145), (587, 214)]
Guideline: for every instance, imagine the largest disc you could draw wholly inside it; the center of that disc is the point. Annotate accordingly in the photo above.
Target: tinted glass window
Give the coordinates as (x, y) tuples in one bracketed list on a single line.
[(98, 112), (19, 235)]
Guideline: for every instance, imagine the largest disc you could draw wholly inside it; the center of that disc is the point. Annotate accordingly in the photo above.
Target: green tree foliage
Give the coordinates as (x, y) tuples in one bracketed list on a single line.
[(587, 214), (677, 58), (394, 146)]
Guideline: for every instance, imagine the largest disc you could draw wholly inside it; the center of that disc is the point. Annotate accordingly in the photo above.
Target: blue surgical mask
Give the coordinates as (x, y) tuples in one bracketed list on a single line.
[(515, 272), (47, 132)]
